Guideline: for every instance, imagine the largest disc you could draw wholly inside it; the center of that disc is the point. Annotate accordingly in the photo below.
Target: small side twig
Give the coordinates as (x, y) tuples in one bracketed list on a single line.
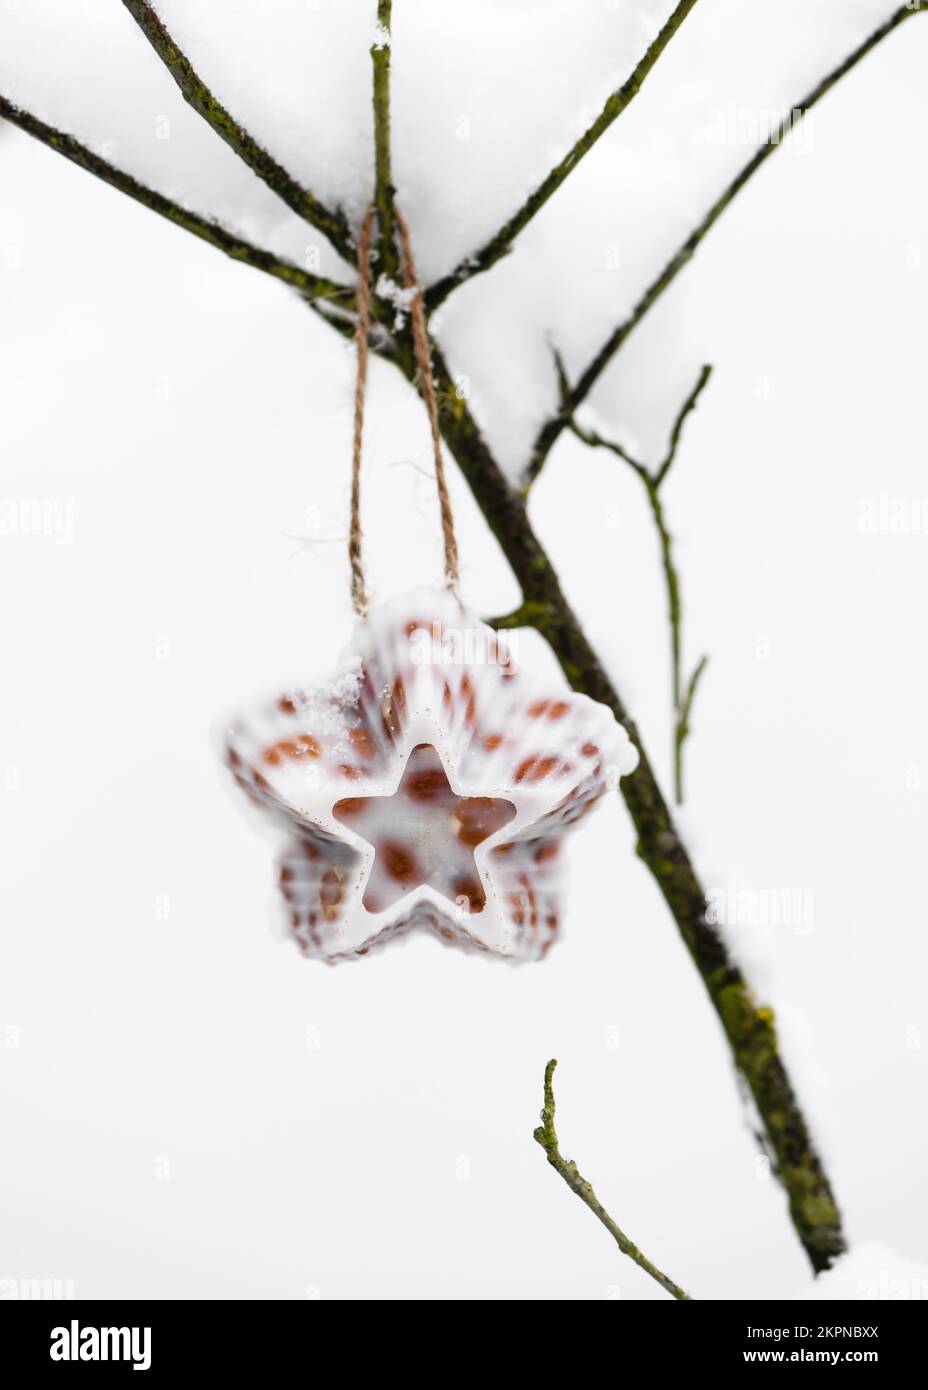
[(546, 1136), (681, 732), (652, 479), (526, 615), (688, 406)]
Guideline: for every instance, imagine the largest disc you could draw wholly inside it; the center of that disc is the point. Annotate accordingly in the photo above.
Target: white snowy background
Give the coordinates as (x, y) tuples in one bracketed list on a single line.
[(190, 1109)]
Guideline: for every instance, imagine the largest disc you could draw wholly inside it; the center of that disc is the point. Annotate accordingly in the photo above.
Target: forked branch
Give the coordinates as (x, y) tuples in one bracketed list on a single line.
[(196, 93), (546, 1136), (551, 431), (652, 480)]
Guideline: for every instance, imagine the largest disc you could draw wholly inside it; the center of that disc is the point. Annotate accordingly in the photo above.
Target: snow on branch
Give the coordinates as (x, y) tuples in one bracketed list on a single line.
[(500, 244), (552, 429), (197, 95), (310, 285)]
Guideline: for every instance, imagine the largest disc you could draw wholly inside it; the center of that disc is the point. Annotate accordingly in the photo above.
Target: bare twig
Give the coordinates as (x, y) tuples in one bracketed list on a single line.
[(652, 480), (384, 190), (519, 617), (196, 93), (688, 406), (551, 431), (546, 1136), (310, 285), (682, 728), (500, 244)]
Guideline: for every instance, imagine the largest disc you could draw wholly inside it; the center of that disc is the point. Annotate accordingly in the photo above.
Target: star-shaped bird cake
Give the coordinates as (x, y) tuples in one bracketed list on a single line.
[(430, 783)]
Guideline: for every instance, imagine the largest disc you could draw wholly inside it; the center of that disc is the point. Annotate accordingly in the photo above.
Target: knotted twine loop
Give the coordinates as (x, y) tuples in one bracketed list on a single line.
[(423, 357)]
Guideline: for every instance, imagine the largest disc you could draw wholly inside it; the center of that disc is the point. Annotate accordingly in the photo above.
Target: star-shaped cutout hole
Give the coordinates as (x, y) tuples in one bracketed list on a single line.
[(424, 834)]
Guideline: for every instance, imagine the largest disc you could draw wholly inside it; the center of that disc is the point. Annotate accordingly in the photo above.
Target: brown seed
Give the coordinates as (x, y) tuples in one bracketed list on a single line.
[(546, 850), (426, 785), (362, 742), (479, 816), (398, 861), (330, 890), (542, 768), (467, 690), (531, 900), (472, 890)]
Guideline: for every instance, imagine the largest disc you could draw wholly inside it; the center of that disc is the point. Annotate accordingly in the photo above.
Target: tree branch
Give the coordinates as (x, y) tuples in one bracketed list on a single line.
[(748, 1026), (384, 190), (546, 1136), (682, 728), (551, 431), (500, 244), (310, 285), (196, 93), (688, 406)]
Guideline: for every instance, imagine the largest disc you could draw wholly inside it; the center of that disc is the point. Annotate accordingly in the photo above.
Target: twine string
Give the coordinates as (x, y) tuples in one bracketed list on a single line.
[(420, 339), (426, 385), (355, 556)]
